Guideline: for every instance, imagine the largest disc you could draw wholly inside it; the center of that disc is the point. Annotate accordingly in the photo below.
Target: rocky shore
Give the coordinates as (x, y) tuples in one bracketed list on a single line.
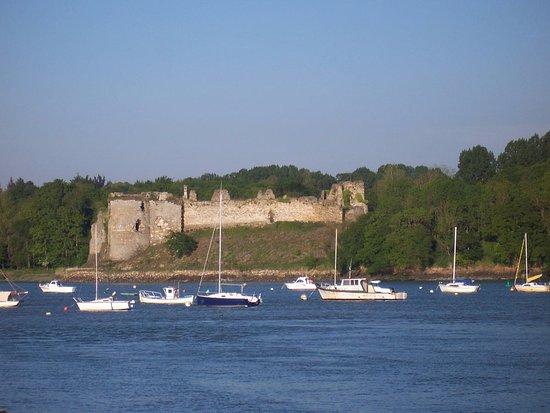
[(429, 274)]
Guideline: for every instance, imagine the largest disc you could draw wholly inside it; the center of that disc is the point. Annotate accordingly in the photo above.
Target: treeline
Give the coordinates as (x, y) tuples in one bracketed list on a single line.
[(412, 209), (492, 201), (49, 226)]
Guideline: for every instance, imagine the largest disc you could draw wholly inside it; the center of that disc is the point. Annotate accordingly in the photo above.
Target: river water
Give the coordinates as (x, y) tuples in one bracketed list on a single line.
[(483, 352)]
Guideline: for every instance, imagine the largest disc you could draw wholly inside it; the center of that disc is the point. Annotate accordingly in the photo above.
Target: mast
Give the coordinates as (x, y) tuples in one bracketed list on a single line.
[(519, 260), (220, 247), (526, 270), (454, 259), (335, 253), (95, 247)]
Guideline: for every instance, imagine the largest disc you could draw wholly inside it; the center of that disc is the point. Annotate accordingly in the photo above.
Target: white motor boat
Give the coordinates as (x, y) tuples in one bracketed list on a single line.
[(457, 287), (301, 284), (528, 286), (102, 304), (171, 296), (13, 297), (55, 286), (356, 288)]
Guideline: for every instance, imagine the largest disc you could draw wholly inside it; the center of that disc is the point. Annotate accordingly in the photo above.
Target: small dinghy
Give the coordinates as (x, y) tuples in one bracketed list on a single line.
[(55, 286), (171, 296)]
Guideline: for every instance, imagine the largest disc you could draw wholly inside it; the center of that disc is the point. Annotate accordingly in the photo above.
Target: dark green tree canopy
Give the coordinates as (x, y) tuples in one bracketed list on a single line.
[(477, 164)]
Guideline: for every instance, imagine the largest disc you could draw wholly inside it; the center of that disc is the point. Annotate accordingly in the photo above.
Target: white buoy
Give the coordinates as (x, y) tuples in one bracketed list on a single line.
[(188, 304), (456, 293), (271, 289), (303, 297), (134, 286), (420, 287), (48, 313), (431, 291)]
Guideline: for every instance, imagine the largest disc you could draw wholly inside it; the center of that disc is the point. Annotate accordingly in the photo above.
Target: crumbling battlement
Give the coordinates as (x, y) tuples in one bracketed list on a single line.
[(136, 221)]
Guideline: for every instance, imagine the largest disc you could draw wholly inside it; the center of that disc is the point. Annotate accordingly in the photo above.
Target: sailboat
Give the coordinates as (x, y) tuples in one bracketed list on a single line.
[(356, 288), (457, 287), (528, 286), (223, 298), (102, 304), (13, 297)]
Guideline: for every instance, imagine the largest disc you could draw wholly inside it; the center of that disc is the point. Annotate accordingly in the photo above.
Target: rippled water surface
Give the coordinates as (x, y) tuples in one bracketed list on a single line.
[(484, 352)]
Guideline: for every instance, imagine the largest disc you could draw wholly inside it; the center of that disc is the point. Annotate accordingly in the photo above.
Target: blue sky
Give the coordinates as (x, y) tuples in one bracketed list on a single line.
[(135, 90)]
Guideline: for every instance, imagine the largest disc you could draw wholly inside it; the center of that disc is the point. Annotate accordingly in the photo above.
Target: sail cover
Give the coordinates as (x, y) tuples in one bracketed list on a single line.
[(533, 278)]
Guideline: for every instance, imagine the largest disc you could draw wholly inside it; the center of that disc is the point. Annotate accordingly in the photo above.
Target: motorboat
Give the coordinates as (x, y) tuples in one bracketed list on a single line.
[(171, 296), (301, 284), (529, 286), (356, 288), (359, 289), (223, 297), (11, 298), (102, 304), (55, 286), (457, 287)]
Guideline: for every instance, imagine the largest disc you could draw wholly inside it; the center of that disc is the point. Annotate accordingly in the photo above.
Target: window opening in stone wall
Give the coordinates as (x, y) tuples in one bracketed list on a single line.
[(142, 206), (138, 223)]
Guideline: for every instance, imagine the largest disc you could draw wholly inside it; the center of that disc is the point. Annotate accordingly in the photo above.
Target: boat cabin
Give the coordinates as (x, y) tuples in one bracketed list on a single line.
[(170, 293)]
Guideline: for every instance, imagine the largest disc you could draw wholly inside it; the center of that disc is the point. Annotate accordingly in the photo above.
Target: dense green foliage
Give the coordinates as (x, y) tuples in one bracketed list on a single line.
[(180, 244), (492, 204), (412, 209)]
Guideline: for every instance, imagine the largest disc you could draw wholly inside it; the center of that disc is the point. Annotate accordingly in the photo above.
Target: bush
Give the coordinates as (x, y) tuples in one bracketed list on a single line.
[(180, 244)]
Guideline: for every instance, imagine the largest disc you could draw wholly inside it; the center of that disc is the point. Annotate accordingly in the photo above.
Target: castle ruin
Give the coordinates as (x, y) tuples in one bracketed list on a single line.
[(133, 222)]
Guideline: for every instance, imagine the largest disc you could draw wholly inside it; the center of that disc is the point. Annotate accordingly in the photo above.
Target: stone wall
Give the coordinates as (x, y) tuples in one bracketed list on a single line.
[(255, 212), (136, 221)]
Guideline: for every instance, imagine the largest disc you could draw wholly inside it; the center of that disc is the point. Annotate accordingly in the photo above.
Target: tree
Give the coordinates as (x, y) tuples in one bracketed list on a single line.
[(180, 244), (476, 165)]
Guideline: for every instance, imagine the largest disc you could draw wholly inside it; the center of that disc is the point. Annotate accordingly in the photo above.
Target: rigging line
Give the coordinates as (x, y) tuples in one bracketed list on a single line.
[(12, 285), (206, 260)]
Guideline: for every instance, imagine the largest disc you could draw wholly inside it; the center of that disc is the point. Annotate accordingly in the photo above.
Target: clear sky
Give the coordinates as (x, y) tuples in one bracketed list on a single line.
[(135, 90)]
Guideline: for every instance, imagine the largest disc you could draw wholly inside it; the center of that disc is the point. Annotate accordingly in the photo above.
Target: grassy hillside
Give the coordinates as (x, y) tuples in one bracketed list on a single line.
[(282, 246)]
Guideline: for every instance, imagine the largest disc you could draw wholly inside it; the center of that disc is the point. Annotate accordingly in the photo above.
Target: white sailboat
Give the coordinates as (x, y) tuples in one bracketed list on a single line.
[(457, 287), (528, 286), (223, 298), (55, 286), (102, 304), (356, 288), (13, 297)]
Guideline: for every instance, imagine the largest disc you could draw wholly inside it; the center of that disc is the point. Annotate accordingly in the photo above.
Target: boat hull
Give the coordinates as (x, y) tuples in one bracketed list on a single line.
[(9, 304), (103, 305), (188, 299), (533, 288), (226, 300), (59, 290), (339, 295), (458, 289), (300, 286)]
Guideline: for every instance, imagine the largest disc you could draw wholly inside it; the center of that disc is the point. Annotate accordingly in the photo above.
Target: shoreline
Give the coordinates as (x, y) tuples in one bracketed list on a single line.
[(480, 273)]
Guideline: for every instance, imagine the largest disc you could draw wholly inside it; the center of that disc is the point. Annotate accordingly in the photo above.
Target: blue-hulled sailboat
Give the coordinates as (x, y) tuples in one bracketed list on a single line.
[(223, 298)]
